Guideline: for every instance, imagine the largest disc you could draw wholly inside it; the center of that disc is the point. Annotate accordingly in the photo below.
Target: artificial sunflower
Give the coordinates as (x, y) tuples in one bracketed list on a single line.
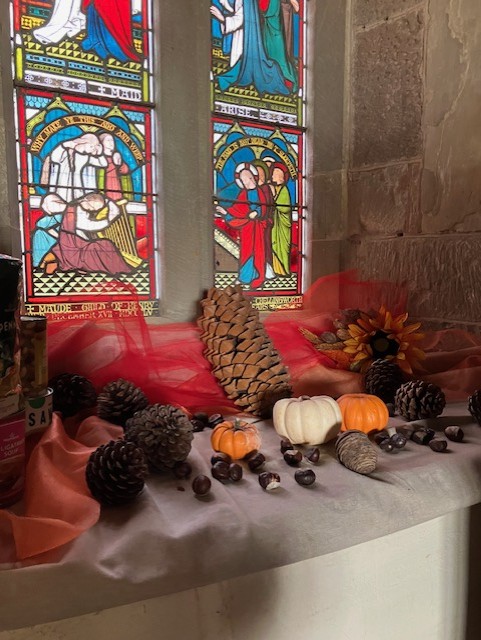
[(383, 336)]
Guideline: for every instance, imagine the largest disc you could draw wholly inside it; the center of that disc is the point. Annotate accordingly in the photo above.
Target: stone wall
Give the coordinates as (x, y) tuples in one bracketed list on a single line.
[(413, 163)]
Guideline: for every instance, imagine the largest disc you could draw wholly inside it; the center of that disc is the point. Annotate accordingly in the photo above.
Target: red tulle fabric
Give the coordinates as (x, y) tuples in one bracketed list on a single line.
[(167, 362)]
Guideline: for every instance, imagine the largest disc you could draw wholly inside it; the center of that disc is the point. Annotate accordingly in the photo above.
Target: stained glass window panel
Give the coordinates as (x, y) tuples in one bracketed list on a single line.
[(258, 59), (94, 47), (259, 210), (87, 198)]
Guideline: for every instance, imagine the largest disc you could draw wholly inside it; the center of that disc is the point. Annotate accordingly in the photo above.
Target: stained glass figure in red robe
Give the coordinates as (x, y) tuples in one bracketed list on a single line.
[(248, 215), (109, 29)]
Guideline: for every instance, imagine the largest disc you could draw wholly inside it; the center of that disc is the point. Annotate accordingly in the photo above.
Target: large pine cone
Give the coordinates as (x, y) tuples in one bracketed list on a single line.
[(242, 356), (474, 406), (383, 379), (163, 432), (72, 393), (417, 400), (116, 472), (119, 400)]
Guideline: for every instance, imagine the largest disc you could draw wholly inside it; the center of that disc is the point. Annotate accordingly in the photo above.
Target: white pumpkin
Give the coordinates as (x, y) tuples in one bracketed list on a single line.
[(307, 420)]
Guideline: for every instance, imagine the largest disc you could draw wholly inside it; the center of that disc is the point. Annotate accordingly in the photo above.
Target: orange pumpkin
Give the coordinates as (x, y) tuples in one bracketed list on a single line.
[(363, 412), (236, 438)]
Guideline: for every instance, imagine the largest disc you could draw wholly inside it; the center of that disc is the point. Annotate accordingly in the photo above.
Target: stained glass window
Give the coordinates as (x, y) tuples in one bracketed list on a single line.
[(85, 129), (258, 135)]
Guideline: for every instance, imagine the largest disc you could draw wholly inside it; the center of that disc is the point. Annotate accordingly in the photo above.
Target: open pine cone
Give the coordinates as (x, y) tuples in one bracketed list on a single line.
[(241, 353), (163, 432), (119, 400), (383, 379), (474, 406), (417, 400), (72, 393), (116, 472)]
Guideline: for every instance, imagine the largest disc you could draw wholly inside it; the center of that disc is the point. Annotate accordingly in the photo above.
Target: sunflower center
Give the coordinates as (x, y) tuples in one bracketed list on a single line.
[(383, 346)]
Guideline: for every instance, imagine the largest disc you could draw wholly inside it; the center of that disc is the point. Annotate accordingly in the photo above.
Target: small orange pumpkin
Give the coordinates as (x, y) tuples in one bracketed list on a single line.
[(236, 438), (363, 412)]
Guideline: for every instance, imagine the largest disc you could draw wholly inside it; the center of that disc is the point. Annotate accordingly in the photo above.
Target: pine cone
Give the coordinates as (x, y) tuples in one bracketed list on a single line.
[(116, 472), (72, 393), (383, 379), (474, 406), (163, 432), (417, 400), (119, 400), (241, 353)]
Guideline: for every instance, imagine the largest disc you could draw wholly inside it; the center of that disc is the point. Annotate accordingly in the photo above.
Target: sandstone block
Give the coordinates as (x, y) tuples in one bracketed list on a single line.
[(387, 91), (369, 11), (443, 272), (385, 200)]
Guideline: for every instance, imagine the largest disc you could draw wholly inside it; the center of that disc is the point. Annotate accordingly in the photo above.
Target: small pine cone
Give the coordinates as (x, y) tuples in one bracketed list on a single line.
[(164, 433), (383, 379), (119, 400), (72, 393), (474, 406), (116, 472), (417, 400)]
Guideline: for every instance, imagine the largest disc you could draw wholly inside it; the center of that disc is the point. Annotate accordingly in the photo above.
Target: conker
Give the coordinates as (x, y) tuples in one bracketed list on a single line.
[(423, 436), (235, 472), (220, 471), (285, 445), (398, 440), (456, 434), (293, 457), (438, 445), (215, 419), (201, 485), (197, 425), (269, 480), (256, 461), (182, 470), (313, 455), (380, 436), (305, 477), (220, 457), (201, 417)]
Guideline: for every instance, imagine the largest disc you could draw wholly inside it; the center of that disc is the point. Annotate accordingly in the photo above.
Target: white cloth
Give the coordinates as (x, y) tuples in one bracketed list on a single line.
[(234, 24), (66, 20), (169, 540)]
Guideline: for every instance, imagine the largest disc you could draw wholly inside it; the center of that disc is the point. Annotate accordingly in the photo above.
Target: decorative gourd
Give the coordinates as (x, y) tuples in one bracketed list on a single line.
[(307, 420), (363, 412), (236, 438)]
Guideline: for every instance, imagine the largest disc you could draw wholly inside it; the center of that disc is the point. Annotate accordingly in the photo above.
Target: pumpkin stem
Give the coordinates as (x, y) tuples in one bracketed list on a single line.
[(237, 424)]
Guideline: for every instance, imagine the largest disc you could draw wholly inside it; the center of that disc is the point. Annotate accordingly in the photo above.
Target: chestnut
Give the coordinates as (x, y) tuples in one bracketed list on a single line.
[(438, 445), (305, 477), (214, 420), (455, 434), (293, 457), (197, 425), (256, 461), (220, 457), (182, 470), (201, 485), (235, 472), (380, 436), (313, 455), (220, 471), (285, 445), (269, 480), (201, 417)]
